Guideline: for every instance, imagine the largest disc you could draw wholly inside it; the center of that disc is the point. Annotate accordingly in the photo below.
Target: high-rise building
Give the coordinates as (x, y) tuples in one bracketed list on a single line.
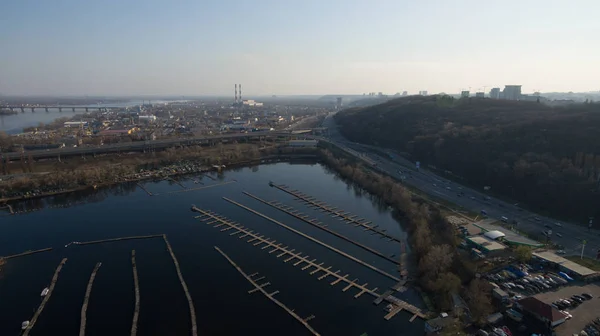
[(479, 94), (495, 93), (464, 94), (512, 92), (339, 102), (405, 93), (423, 93)]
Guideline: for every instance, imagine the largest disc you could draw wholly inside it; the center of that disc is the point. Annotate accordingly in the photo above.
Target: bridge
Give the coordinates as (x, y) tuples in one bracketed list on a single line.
[(140, 145), (46, 108)]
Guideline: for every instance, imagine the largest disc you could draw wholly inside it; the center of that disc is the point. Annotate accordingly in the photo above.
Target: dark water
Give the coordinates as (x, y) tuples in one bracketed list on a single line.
[(219, 292)]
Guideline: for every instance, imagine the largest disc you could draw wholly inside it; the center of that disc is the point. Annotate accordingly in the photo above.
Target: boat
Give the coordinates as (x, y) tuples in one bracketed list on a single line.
[(45, 292), (24, 325)]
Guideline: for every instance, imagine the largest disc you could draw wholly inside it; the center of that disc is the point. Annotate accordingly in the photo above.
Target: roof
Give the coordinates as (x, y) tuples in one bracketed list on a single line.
[(494, 234), (539, 308), (486, 243), (440, 322), (119, 131), (510, 236), (570, 266)]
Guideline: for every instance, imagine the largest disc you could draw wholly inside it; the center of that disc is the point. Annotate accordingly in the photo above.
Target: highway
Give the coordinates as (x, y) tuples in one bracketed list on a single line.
[(132, 146), (571, 235)]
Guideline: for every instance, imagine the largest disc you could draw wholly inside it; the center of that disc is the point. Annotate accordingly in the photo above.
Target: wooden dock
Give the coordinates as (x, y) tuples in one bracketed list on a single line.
[(86, 300), (144, 189), (26, 253), (298, 215), (270, 296), (46, 298), (185, 288), (176, 182), (296, 258), (136, 283), (342, 215), (116, 239), (210, 177), (200, 188), (340, 252)]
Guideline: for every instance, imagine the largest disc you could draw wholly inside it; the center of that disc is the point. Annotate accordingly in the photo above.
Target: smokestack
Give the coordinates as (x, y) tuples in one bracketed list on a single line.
[(240, 87), (235, 99)]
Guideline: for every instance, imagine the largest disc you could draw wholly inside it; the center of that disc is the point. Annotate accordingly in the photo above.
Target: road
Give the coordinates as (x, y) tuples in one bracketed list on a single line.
[(131, 146), (571, 235)]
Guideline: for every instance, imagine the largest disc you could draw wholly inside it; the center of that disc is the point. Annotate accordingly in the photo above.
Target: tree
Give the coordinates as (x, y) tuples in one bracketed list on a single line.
[(479, 300), (523, 253), (436, 261)]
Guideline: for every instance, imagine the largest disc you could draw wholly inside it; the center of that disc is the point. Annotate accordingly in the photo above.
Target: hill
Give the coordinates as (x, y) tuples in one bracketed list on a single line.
[(546, 157)]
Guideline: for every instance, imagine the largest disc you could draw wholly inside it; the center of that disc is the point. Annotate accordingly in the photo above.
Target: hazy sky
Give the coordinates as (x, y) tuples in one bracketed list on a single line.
[(194, 47)]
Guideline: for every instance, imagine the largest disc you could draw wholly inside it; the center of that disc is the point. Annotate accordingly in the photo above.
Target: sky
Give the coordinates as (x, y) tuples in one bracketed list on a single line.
[(285, 47)]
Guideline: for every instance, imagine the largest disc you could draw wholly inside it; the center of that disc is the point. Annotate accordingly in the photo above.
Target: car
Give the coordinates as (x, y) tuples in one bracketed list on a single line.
[(558, 234), (537, 219), (558, 224), (548, 226), (561, 252), (587, 296)]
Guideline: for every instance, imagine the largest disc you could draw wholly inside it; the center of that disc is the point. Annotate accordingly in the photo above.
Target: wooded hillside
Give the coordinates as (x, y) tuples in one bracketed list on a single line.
[(546, 157)]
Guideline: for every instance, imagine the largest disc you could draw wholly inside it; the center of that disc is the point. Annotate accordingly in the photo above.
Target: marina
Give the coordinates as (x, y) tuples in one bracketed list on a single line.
[(315, 282), (308, 264), (201, 188), (342, 215), (295, 213), (270, 296)]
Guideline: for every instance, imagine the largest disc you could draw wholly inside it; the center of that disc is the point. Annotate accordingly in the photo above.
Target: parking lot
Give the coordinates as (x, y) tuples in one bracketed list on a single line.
[(583, 314)]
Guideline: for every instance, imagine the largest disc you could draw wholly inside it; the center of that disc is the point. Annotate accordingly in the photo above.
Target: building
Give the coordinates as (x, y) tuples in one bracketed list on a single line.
[(251, 102), (512, 92), (495, 93), (571, 268), (423, 93), (148, 118), (72, 124), (405, 93), (541, 311), (479, 94), (435, 325), (339, 102), (464, 94), (485, 244)]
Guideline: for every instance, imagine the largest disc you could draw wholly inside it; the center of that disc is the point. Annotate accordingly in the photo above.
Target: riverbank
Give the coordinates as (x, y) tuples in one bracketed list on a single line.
[(159, 170), (441, 269)]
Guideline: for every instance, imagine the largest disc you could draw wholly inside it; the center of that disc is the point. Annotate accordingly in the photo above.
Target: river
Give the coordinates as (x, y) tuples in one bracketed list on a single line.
[(220, 294), (15, 123)]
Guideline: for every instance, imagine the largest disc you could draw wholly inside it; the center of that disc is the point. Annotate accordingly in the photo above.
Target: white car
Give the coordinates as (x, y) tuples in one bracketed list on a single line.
[(561, 252), (558, 224), (567, 314)]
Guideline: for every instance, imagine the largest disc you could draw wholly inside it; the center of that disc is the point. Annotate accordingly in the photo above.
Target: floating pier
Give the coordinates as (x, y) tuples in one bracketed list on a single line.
[(210, 177), (294, 213), (342, 215), (46, 298), (270, 295), (136, 283), (185, 288), (342, 253), (144, 189), (296, 258), (176, 182), (9, 207), (115, 239), (86, 300), (200, 188), (26, 253)]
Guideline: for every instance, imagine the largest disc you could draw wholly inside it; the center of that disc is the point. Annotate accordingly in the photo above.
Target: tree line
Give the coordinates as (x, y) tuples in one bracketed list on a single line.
[(545, 157), (441, 268)]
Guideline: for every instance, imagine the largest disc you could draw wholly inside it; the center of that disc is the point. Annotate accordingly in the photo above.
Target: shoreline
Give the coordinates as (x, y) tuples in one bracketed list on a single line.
[(202, 170)]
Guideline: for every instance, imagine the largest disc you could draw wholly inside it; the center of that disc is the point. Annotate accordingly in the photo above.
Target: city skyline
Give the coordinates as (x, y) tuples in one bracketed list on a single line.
[(296, 48)]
